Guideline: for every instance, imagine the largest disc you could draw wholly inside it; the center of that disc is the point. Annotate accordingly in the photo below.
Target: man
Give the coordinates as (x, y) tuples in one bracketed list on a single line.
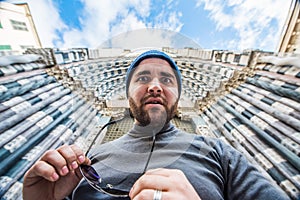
[(182, 166)]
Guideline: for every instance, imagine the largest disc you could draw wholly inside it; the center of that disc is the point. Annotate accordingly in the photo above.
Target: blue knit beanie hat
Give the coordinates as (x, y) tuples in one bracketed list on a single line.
[(153, 54)]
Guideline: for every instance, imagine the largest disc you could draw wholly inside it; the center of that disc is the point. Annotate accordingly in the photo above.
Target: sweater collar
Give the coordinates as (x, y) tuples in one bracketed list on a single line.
[(142, 131)]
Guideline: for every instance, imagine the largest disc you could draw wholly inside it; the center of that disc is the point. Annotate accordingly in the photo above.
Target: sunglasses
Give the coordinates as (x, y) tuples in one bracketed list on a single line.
[(96, 181)]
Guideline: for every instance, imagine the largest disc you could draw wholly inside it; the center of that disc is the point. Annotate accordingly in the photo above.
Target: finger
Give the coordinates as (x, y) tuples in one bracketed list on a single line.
[(81, 158), (149, 181), (170, 173), (144, 194), (149, 194), (160, 171), (69, 153), (56, 159), (43, 169)]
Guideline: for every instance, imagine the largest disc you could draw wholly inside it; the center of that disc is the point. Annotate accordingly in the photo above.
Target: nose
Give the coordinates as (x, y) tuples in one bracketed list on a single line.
[(154, 87)]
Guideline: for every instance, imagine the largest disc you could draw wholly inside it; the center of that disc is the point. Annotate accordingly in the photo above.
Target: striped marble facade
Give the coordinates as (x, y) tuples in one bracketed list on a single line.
[(260, 117), (247, 101)]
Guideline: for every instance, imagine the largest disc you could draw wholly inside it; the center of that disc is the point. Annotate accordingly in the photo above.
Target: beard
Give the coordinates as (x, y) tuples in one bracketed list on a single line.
[(144, 117)]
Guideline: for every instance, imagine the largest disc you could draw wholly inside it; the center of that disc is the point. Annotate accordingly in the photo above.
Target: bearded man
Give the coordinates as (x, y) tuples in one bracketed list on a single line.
[(154, 160)]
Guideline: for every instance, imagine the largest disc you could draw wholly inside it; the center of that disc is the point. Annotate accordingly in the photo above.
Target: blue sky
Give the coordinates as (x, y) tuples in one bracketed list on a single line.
[(213, 24)]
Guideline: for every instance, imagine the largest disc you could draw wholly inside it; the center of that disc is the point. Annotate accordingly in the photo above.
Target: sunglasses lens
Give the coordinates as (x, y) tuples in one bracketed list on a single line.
[(94, 180), (90, 173)]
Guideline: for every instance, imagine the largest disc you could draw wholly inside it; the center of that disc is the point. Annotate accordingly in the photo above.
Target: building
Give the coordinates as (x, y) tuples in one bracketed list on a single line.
[(17, 29), (241, 98), (290, 37), (250, 100)]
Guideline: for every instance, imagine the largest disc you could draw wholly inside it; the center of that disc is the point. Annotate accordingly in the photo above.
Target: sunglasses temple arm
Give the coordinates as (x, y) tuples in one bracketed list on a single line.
[(102, 128)]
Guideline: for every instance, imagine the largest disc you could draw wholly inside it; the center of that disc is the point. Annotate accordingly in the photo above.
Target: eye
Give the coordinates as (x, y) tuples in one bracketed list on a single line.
[(143, 79), (166, 81)]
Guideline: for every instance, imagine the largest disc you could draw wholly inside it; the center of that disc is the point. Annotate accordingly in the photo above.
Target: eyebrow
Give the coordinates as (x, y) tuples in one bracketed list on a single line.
[(143, 73), (146, 72), (166, 74)]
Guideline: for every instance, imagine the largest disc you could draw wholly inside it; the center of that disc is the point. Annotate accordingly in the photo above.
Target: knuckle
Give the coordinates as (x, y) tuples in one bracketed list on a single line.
[(74, 146), (48, 154), (39, 168), (76, 149), (144, 194), (178, 172), (62, 147), (67, 152), (72, 157), (143, 182), (36, 166)]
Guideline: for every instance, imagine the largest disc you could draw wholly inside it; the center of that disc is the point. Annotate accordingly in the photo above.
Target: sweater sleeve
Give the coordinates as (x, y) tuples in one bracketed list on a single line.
[(243, 180)]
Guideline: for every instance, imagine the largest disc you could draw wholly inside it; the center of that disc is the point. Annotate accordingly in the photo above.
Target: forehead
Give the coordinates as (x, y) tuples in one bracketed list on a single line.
[(154, 64)]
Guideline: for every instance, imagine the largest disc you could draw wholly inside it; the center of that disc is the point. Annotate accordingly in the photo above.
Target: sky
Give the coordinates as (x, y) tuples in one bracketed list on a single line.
[(213, 24)]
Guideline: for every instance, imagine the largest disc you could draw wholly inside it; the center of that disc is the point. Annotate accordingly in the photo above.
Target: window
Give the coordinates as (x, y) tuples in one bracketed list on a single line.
[(5, 47), (26, 46), (65, 56), (237, 58), (17, 25), (74, 55)]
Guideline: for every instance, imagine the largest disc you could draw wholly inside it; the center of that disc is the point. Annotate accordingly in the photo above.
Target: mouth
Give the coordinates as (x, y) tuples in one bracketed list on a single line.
[(154, 101)]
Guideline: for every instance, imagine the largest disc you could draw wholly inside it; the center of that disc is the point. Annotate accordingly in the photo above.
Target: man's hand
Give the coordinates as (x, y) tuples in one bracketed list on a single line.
[(55, 174), (172, 182)]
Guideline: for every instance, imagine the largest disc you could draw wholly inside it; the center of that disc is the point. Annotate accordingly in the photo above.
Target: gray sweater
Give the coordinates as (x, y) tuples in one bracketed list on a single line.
[(216, 170)]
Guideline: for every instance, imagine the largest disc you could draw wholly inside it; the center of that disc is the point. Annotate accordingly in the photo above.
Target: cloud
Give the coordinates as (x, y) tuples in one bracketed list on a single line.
[(253, 22), (168, 21), (131, 22), (105, 19), (99, 20)]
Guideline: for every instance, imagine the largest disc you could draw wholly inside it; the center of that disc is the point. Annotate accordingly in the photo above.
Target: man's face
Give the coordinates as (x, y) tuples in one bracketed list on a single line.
[(153, 92)]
